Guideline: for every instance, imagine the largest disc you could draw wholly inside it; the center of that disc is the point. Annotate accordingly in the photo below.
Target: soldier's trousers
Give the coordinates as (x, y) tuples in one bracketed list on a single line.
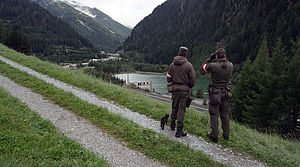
[(219, 105), (179, 107)]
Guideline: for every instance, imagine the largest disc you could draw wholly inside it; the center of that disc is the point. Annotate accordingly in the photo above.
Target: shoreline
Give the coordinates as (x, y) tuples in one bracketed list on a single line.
[(197, 103)]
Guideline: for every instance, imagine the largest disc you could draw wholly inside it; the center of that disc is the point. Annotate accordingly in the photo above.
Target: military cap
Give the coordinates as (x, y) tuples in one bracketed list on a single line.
[(183, 48), (183, 51), (220, 52)]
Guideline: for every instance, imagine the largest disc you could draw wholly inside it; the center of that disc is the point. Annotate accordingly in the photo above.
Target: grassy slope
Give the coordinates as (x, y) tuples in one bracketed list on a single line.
[(152, 144), (28, 140), (270, 148)]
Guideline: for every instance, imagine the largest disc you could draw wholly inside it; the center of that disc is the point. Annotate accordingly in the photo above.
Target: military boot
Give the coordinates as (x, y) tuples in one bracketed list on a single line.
[(180, 132), (211, 137), (225, 137), (172, 126)]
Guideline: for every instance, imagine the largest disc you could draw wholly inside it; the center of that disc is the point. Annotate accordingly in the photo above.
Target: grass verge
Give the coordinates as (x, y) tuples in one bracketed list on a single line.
[(28, 140), (146, 141), (272, 149)]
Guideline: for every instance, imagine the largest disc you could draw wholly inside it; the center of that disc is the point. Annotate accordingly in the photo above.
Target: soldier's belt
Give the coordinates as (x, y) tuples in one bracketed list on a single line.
[(223, 86)]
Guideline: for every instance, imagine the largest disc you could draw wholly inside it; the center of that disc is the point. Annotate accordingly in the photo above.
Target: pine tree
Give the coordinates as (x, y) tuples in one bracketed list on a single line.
[(25, 45), (242, 94), (261, 66), (1, 33), (199, 93), (15, 38), (248, 97), (277, 108), (267, 93), (289, 124)]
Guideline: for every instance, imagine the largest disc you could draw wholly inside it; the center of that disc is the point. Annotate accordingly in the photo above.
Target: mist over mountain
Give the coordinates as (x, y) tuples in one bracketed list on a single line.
[(95, 26), (204, 25)]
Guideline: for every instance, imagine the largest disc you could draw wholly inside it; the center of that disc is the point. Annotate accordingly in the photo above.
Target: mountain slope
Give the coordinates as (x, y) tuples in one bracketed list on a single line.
[(204, 25), (95, 26), (270, 148), (51, 38)]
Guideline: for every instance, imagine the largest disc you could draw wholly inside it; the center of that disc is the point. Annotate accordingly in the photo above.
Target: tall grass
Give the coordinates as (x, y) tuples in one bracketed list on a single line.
[(28, 140), (272, 149)]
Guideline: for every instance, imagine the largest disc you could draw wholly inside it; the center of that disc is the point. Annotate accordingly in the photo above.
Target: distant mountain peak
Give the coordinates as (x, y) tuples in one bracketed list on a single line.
[(78, 6), (94, 25)]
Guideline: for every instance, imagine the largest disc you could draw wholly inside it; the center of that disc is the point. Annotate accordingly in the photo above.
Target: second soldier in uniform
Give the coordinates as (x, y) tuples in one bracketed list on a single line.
[(219, 93)]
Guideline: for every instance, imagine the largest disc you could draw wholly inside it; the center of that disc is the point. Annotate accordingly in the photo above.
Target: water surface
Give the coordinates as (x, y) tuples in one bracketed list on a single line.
[(159, 81)]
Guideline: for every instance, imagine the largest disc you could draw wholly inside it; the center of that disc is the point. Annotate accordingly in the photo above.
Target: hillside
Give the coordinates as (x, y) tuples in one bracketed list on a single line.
[(135, 118), (98, 28), (204, 25), (51, 38)]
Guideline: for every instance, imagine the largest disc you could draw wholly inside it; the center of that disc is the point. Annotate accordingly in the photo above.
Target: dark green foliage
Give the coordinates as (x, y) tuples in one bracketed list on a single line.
[(266, 96), (104, 76), (18, 41), (2, 35), (276, 95), (14, 39), (204, 102), (102, 31), (26, 45), (249, 89), (293, 93), (49, 36), (204, 25), (119, 66), (199, 93)]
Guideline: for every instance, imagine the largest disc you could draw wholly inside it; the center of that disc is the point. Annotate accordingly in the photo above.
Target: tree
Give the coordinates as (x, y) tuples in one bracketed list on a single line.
[(261, 67), (1, 33), (242, 109), (248, 96), (267, 92), (14, 40), (19, 41), (277, 109), (293, 93), (25, 45), (199, 93)]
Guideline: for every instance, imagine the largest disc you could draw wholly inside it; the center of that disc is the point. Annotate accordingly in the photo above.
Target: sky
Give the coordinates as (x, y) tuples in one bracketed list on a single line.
[(126, 12)]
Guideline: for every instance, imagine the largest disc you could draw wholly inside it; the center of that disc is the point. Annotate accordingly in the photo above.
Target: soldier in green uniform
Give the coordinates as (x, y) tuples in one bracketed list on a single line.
[(183, 76), (219, 92)]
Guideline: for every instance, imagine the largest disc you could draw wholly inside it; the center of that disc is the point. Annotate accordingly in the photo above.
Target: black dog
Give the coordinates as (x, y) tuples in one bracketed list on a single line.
[(163, 121)]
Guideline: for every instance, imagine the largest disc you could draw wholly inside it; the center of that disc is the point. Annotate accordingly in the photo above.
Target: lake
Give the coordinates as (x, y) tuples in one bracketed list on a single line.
[(159, 81)]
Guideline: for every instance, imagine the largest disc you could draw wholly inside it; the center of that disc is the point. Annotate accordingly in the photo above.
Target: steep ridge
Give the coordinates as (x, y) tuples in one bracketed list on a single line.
[(98, 28), (204, 25)]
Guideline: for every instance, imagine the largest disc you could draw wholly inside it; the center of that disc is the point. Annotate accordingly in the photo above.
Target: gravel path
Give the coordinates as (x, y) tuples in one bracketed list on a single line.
[(217, 152), (79, 129)]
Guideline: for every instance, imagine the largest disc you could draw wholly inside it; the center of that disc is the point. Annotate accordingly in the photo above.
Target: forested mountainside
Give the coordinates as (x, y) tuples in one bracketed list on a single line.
[(50, 37), (204, 25), (98, 28)]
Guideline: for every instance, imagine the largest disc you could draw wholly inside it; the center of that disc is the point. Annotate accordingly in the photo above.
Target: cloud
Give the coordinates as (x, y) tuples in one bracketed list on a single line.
[(127, 12)]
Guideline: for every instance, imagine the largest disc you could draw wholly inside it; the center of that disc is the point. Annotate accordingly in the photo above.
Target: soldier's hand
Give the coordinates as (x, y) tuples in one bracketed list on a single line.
[(212, 56)]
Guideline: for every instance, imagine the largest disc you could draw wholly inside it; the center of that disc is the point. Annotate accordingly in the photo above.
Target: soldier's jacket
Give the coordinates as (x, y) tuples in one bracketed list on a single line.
[(182, 74), (220, 75), (220, 70)]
